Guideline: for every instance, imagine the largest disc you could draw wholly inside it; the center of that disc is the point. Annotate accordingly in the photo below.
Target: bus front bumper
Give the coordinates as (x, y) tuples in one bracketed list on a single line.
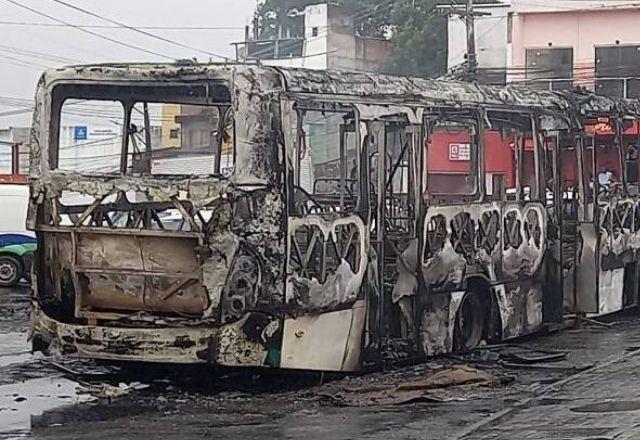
[(166, 344)]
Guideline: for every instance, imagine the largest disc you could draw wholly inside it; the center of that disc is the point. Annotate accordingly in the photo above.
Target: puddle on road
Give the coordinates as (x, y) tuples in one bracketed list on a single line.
[(609, 407), (19, 402), (14, 348)]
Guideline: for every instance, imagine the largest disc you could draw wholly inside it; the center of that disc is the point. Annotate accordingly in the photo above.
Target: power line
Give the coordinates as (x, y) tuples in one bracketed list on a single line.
[(35, 54), (140, 31), (40, 66), (106, 26), (15, 112), (87, 31)]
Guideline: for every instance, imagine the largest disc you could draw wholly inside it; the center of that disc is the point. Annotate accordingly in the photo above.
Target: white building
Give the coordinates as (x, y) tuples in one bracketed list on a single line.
[(324, 39)]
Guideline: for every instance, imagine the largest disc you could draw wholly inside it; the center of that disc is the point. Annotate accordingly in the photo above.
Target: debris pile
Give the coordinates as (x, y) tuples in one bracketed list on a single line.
[(424, 389)]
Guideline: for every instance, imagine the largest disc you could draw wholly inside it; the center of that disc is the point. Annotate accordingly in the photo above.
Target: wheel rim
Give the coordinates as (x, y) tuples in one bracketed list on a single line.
[(8, 272), (469, 323)]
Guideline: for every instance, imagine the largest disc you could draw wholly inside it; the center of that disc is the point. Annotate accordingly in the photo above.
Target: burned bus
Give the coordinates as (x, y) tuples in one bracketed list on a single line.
[(250, 216)]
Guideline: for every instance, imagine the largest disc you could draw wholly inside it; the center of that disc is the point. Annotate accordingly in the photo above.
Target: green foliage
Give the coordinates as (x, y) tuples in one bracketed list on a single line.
[(419, 40), (419, 35)]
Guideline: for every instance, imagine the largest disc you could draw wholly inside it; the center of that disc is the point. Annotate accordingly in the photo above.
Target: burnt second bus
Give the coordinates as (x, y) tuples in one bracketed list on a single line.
[(250, 216)]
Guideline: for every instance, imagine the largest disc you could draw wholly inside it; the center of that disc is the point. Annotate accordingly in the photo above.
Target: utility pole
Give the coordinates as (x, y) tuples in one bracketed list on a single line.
[(472, 62), (469, 14)]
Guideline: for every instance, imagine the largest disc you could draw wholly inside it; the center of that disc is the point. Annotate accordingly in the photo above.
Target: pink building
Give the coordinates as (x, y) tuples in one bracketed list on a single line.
[(580, 43), (559, 43)]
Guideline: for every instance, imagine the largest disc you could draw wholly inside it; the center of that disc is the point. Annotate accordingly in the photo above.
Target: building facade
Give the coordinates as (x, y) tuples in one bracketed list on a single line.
[(324, 37), (558, 44)]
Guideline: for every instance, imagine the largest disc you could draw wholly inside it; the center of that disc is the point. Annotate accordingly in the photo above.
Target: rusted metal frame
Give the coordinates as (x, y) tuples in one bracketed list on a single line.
[(538, 163), (154, 216), (145, 273), (594, 217), (120, 231), (55, 212), (96, 218), (415, 175), (345, 249), (310, 248), (296, 248), (301, 142), (185, 214), (323, 262), (108, 219), (397, 164), (323, 103), (481, 175), (334, 246), (512, 231), (343, 166), (380, 222), (137, 219), (200, 217), (222, 119), (147, 137), (619, 140), (519, 144), (124, 151), (558, 201), (176, 287), (90, 209)]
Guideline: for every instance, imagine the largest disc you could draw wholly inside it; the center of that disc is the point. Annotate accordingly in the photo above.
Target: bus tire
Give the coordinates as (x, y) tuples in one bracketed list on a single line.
[(10, 271), (470, 322)]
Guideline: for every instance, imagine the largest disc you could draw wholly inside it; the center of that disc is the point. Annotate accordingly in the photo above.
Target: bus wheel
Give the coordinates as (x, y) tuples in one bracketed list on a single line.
[(10, 271), (470, 319)]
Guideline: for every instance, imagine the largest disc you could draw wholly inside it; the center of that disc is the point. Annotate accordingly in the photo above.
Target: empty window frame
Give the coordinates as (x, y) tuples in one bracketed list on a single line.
[(90, 135), (452, 156), (617, 70), (180, 129), (328, 162), (179, 139), (549, 68), (512, 163)]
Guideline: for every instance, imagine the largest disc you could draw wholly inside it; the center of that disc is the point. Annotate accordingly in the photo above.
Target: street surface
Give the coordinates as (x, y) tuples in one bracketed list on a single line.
[(593, 393)]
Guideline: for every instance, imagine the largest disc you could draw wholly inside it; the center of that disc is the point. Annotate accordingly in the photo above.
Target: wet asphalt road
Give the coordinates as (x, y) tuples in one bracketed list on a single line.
[(39, 401)]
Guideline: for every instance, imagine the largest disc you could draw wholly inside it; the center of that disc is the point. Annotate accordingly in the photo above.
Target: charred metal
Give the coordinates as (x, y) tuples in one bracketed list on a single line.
[(289, 261)]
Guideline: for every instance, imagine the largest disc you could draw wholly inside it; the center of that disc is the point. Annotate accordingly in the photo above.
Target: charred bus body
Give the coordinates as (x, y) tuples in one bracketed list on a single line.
[(340, 220)]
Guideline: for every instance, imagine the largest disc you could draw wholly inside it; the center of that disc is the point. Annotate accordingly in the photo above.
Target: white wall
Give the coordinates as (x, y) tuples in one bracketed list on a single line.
[(569, 5), (14, 199), (315, 48)]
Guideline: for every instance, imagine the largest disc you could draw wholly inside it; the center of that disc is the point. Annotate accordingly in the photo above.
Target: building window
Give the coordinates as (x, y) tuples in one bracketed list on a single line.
[(549, 68), (617, 70), (174, 133), (314, 31)]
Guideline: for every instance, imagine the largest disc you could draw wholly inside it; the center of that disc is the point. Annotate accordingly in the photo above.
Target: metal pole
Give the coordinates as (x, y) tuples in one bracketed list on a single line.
[(15, 159), (471, 41)]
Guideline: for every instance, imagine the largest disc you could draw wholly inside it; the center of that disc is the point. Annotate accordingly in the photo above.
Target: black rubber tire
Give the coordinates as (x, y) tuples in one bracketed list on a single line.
[(470, 322), (10, 271)]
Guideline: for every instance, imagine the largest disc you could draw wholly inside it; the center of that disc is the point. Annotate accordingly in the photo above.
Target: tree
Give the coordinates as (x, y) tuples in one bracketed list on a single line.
[(418, 34), (419, 40)]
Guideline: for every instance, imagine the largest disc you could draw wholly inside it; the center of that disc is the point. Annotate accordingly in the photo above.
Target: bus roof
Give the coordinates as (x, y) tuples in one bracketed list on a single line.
[(352, 85)]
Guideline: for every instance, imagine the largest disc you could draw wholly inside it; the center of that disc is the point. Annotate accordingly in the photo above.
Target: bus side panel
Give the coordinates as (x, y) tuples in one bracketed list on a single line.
[(324, 295)]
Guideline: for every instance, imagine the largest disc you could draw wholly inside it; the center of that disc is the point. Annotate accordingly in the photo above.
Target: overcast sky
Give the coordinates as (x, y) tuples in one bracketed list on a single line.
[(58, 45)]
